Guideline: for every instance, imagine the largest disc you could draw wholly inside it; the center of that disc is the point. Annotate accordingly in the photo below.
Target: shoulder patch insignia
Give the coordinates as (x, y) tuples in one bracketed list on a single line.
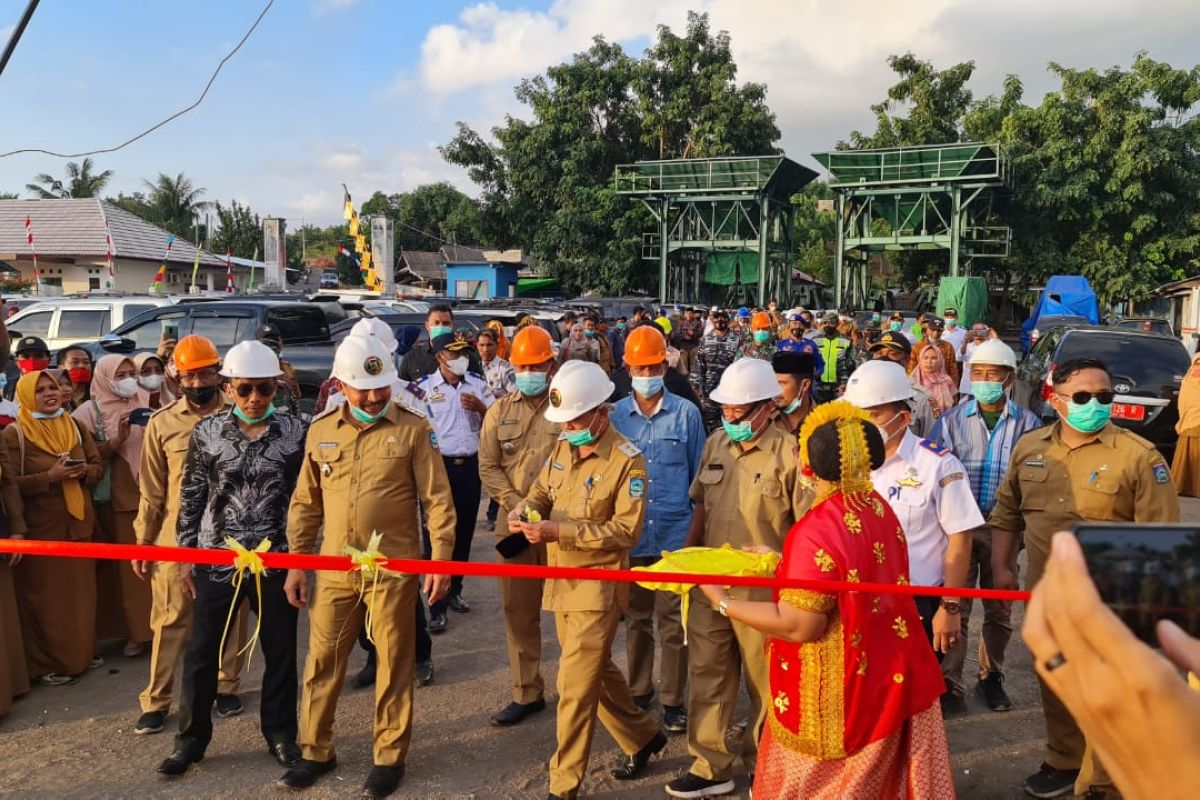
[(637, 487), (1161, 474), (637, 473), (934, 447), (629, 449), (951, 478), (433, 439)]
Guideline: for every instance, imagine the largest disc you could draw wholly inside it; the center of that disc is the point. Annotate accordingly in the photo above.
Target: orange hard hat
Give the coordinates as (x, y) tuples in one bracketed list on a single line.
[(531, 346), (645, 347), (195, 352), (761, 321)]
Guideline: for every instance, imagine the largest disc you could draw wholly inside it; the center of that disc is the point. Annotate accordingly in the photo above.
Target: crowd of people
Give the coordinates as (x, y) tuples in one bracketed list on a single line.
[(856, 450)]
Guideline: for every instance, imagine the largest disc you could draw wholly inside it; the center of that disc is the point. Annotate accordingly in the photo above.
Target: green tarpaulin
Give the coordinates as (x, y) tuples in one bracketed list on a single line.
[(968, 296), (728, 269), (527, 285)]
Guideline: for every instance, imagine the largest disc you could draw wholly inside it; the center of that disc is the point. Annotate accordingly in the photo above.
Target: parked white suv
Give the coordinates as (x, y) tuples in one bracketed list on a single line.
[(64, 321)]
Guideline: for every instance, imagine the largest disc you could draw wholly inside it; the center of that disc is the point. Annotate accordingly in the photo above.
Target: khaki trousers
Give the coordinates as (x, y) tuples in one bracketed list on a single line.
[(521, 599), (718, 650), (171, 625), (644, 607), (997, 619), (589, 683), (1065, 746), (335, 616)]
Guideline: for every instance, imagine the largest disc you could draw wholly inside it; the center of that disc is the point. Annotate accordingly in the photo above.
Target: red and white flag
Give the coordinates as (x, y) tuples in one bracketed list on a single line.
[(228, 271), (37, 272)]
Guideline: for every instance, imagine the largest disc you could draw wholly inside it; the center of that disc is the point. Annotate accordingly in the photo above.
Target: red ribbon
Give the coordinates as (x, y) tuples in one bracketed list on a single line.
[(415, 566)]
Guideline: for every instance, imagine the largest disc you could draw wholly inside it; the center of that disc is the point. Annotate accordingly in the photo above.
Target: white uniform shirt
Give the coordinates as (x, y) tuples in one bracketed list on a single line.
[(964, 383), (955, 337), (456, 428), (928, 489), (501, 378)]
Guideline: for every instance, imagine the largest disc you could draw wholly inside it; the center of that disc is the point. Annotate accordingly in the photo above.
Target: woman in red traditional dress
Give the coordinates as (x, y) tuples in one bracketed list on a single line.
[(854, 709)]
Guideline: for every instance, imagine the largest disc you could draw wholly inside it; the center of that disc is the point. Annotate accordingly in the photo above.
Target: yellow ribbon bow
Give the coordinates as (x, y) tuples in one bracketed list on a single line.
[(369, 563), (246, 560), (723, 560)]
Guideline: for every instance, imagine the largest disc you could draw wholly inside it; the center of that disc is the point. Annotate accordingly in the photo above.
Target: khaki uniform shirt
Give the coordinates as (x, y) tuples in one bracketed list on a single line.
[(514, 444), (356, 481), (164, 451), (1119, 476), (598, 501)]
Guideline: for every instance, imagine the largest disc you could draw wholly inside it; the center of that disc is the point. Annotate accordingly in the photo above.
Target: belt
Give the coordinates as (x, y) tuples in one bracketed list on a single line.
[(460, 461)]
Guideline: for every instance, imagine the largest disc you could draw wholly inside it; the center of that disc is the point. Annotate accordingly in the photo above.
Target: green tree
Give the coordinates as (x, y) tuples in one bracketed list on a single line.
[(79, 181), (174, 202), (936, 101), (546, 182), (429, 216), (238, 229), (815, 231), (8, 196)]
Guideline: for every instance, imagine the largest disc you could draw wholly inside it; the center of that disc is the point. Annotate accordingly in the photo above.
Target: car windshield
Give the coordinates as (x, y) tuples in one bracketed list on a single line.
[(1147, 363)]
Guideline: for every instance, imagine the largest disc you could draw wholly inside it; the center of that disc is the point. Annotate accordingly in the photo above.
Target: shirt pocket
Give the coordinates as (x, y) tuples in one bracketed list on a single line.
[(673, 452), (909, 506), (333, 468), (1097, 501), (509, 437), (1033, 488), (396, 450)]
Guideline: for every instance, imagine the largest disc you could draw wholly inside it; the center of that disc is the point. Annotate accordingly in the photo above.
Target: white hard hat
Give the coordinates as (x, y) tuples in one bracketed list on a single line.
[(876, 383), (995, 352), (747, 380), (577, 388), (363, 363), (372, 326), (250, 360)]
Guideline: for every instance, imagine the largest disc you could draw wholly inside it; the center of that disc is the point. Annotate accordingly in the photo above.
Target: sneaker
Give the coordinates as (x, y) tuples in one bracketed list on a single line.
[(133, 649), (675, 718), (694, 786), (150, 722), (1050, 782), (55, 679), (953, 703), (229, 705), (992, 689), (490, 526), (97, 662)]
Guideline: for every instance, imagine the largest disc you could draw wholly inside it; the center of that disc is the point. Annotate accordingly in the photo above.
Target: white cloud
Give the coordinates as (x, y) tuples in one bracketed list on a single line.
[(345, 160), (6, 32), (332, 6)]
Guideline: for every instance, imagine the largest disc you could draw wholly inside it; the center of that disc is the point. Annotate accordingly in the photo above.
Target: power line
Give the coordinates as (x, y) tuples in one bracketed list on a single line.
[(16, 34), (155, 127)]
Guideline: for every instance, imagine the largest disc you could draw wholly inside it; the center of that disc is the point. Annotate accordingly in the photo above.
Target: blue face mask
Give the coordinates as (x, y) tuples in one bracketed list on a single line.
[(621, 326), (270, 412), (531, 384), (987, 392), (762, 336), (439, 330), (792, 406), (1089, 417), (738, 431), (580, 438), (55, 415), (895, 326), (364, 417), (648, 387), (588, 332)]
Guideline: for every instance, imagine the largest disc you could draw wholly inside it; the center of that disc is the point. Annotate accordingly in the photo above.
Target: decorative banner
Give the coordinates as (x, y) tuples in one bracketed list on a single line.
[(228, 270), (37, 272), (161, 277), (363, 260), (108, 246), (195, 268)]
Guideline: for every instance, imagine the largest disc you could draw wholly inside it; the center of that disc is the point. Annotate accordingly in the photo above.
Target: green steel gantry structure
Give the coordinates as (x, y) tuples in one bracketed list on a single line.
[(709, 207), (936, 197)]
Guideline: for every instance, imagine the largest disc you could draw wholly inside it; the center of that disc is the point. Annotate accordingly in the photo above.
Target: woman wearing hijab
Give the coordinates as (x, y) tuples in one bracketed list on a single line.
[(152, 381), (49, 462), (124, 601), (580, 347), (854, 685), (1186, 465), (931, 374), (14, 674)]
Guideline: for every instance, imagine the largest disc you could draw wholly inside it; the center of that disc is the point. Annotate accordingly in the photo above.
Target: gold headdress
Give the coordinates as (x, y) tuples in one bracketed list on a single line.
[(855, 479)]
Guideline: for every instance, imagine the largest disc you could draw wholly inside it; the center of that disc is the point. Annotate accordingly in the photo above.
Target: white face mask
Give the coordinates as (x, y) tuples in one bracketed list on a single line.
[(459, 365), (126, 387), (151, 382), (883, 429)]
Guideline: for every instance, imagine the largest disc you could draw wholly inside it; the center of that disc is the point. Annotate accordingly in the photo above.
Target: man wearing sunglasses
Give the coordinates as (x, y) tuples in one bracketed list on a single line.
[(1080, 468), (238, 479)]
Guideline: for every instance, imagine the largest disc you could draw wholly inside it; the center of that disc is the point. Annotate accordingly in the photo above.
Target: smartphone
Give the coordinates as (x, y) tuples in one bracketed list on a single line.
[(170, 329), (74, 462), (140, 416), (1146, 573)]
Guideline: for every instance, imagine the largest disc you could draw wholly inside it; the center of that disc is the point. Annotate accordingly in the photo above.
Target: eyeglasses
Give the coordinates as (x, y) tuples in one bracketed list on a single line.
[(1104, 397), (261, 389)]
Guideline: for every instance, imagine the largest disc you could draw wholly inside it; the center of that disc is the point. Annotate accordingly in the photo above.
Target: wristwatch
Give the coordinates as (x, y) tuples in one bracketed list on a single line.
[(723, 606), (951, 606)]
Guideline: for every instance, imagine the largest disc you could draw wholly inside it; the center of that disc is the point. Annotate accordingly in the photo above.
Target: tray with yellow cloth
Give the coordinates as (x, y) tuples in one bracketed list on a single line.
[(723, 560)]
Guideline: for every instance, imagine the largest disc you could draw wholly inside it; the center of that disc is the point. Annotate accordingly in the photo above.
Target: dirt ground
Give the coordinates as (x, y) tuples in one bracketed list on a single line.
[(78, 742)]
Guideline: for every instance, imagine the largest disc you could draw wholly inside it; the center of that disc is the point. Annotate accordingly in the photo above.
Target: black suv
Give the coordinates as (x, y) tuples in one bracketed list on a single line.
[(1147, 369)]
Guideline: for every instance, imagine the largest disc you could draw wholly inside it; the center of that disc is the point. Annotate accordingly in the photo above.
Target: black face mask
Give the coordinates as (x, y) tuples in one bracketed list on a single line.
[(721, 325), (830, 331), (199, 396)]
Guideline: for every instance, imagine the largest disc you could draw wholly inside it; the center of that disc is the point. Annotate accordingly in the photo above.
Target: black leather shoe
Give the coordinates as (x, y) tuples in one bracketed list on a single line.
[(305, 773), (437, 621), (635, 764), (643, 701), (285, 752), (424, 672), (382, 781), (458, 604), (178, 763), (675, 718), (365, 676), (513, 713)]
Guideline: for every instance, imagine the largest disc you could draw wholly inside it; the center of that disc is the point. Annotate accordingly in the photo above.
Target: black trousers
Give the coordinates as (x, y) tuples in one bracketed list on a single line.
[(493, 511), (466, 490), (201, 662)]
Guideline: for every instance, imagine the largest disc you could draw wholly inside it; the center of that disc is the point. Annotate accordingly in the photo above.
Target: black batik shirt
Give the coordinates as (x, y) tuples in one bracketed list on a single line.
[(238, 487)]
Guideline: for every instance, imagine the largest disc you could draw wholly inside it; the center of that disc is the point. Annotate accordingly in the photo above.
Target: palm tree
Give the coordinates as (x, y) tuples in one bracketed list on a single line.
[(8, 196), (80, 181), (174, 202)]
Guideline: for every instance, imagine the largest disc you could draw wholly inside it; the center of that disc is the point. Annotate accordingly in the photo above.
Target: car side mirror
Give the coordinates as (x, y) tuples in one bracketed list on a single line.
[(117, 344)]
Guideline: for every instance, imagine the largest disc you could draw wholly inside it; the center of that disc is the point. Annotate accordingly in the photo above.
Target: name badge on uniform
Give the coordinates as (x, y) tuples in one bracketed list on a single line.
[(1036, 461), (509, 421), (556, 465)]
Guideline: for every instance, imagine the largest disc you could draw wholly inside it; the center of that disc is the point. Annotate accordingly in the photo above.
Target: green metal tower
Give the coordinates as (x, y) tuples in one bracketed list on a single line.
[(935, 197), (707, 208)]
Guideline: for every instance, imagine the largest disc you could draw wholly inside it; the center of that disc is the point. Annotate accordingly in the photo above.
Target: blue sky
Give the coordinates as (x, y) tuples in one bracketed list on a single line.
[(362, 91)]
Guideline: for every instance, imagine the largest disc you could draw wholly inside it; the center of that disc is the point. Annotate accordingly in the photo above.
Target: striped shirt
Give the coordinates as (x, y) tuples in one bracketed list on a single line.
[(985, 454)]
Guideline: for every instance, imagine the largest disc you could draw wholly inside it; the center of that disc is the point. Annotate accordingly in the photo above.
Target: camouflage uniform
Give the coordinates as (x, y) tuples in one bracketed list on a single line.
[(714, 354)]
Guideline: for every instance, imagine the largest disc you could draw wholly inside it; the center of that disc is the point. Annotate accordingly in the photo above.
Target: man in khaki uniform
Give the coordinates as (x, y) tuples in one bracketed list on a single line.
[(588, 499), (748, 493), (164, 451), (514, 444), (1081, 468), (367, 466)]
